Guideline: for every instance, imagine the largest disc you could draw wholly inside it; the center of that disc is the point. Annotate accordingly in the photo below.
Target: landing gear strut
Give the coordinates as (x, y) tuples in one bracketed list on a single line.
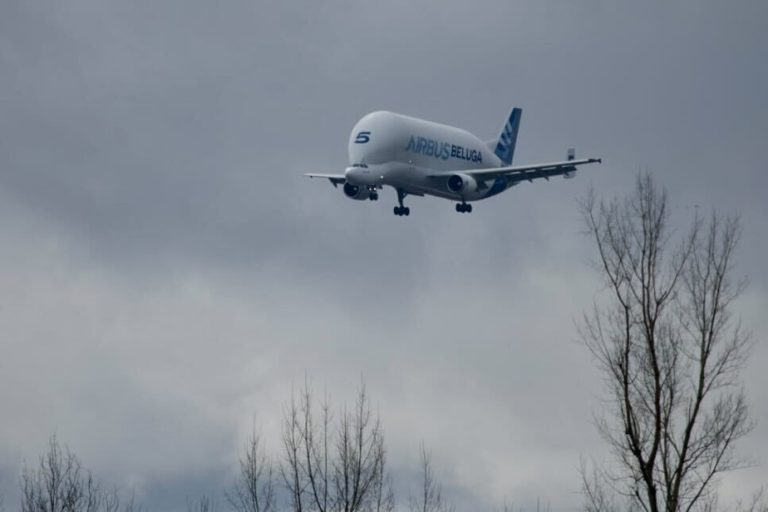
[(401, 210), (463, 207)]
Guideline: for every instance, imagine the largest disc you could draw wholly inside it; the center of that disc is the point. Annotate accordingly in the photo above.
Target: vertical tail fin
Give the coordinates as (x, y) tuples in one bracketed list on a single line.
[(505, 148)]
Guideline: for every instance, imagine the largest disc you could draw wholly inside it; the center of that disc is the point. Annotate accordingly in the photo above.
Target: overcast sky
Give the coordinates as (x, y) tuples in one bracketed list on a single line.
[(166, 272)]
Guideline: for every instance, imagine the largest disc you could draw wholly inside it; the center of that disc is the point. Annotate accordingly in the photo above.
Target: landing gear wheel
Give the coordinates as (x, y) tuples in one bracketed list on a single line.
[(463, 207), (373, 196), (396, 210), (406, 211)]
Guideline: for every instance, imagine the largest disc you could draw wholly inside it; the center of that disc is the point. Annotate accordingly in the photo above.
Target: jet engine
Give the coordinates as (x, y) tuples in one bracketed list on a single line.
[(461, 183), (355, 192)]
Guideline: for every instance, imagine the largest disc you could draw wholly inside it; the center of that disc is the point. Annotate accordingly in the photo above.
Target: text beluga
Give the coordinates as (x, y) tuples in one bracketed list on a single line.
[(442, 150)]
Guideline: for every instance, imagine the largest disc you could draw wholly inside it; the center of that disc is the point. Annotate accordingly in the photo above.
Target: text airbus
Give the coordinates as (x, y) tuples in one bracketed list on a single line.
[(442, 150)]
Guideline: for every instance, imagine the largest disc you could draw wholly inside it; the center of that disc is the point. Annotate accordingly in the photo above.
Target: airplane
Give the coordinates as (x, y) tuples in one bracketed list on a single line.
[(418, 157)]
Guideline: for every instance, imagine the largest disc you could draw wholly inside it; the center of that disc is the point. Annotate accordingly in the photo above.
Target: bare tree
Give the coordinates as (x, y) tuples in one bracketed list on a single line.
[(332, 466), (669, 349), (429, 498), (292, 468), (597, 491), (203, 504), (254, 490), (383, 492), (130, 504), (60, 484), (757, 503)]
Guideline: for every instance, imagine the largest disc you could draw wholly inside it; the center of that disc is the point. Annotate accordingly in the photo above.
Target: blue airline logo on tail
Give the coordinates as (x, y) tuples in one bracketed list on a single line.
[(505, 148)]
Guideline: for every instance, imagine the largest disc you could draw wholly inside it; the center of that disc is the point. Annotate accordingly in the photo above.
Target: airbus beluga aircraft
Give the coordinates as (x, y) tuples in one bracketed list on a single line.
[(418, 158)]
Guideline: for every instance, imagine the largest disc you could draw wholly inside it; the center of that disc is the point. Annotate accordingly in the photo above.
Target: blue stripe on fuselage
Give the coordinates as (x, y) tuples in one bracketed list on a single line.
[(499, 186)]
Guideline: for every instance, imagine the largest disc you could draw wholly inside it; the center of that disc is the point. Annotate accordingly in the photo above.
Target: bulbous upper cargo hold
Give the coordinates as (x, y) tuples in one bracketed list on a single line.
[(385, 137)]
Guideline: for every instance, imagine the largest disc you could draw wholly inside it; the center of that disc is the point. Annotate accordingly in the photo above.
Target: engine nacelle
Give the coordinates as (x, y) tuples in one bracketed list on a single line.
[(355, 192), (458, 183)]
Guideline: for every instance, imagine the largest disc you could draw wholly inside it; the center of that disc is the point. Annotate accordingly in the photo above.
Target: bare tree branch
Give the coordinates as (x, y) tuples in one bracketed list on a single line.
[(331, 466), (59, 483), (254, 489), (429, 497), (203, 504), (669, 350)]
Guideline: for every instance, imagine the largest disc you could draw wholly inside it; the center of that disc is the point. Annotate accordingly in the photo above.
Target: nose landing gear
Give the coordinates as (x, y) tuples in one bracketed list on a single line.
[(373, 192), (463, 207)]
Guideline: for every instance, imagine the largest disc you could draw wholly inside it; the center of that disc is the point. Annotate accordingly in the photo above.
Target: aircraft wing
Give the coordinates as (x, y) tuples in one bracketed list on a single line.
[(336, 179), (522, 172)]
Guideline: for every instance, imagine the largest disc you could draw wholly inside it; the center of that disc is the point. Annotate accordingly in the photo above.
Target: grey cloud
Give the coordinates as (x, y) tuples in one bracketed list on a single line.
[(168, 273)]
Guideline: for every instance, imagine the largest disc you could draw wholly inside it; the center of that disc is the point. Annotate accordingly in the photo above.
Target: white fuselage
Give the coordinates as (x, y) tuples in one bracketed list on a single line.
[(401, 151)]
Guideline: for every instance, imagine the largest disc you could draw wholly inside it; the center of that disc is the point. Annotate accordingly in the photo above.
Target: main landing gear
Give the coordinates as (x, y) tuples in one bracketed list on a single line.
[(401, 210), (463, 207)]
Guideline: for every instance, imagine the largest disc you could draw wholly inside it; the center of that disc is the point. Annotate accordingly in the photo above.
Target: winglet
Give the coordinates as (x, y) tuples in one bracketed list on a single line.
[(571, 156)]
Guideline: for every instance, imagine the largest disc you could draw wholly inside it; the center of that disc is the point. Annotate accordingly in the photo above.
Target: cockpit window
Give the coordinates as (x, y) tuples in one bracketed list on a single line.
[(364, 166)]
